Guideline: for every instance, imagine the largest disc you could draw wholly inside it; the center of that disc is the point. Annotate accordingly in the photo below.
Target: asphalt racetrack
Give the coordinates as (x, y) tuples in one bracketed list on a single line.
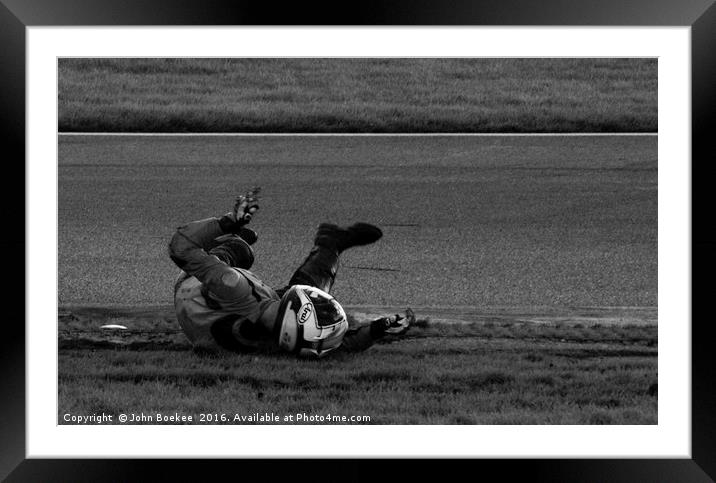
[(469, 222)]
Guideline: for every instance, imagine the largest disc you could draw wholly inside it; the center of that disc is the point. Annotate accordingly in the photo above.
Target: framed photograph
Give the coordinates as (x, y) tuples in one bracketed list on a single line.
[(421, 232)]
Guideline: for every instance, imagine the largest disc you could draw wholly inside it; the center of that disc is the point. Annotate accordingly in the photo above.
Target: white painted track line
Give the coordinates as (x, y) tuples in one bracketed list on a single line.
[(230, 134)]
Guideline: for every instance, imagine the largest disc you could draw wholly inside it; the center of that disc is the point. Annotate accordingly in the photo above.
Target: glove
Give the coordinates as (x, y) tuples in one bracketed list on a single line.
[(399, 324), (244, 209), (246, 205)]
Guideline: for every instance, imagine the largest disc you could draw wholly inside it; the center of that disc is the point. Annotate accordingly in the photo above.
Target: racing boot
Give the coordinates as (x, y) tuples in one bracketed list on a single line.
[(340, 239), (320, 267)]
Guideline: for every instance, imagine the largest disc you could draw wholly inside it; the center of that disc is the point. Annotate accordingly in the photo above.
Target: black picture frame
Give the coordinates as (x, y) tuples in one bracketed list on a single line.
[(16, 15)]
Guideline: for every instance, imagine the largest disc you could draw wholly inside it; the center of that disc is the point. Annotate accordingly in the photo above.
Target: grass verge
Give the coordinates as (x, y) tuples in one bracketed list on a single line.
[(358, 95), (482, 373)]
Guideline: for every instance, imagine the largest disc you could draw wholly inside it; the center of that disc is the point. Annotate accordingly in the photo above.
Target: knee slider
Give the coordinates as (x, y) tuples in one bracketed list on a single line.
[(234, 251)]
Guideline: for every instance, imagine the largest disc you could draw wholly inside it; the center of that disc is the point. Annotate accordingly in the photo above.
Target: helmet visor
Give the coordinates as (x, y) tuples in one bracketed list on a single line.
[(328, 311)]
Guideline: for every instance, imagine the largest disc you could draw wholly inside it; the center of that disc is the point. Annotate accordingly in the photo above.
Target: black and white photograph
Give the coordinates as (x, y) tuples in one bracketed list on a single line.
[(255, 236), (357, 240)]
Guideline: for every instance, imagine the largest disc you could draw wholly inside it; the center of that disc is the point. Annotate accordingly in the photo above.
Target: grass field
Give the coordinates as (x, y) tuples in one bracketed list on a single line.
[(358, 95), (499, 370), (531, 264)]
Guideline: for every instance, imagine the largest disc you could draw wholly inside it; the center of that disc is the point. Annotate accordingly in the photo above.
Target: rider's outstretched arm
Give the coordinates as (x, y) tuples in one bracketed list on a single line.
[(188, 250), (362, 337), (190, 243)]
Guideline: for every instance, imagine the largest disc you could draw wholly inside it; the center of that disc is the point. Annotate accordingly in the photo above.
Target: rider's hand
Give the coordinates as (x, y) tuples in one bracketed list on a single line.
[(400, 323), (244, 209), (246, 206)]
